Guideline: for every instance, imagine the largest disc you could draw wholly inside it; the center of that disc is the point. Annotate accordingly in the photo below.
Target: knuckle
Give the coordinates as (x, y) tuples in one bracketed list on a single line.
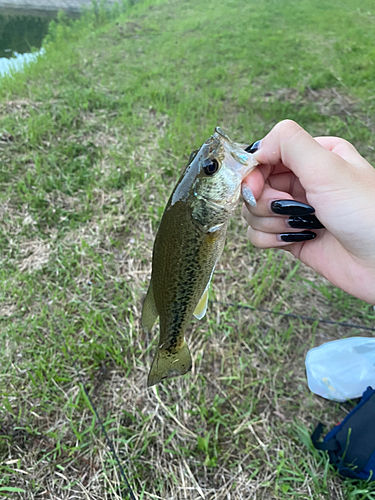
[(346, 145), (289, 126), (256, 238), (289, 131), (258, 224)]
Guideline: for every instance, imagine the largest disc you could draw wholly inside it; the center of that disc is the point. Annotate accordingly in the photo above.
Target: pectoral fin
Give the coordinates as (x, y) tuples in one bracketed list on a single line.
[(168, 364), (149, 311), (201, 308)]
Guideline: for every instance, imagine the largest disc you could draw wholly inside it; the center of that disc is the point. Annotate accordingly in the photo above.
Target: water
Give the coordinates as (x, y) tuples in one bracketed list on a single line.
[(17, 61), (19, 35)]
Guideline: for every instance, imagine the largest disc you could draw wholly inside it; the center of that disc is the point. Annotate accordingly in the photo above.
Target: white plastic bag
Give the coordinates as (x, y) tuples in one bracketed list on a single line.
[(341, 369)]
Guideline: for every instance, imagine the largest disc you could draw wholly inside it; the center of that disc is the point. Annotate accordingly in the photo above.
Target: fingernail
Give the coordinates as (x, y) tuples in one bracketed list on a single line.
[(308, 222), (248, 196), (291, 207), (253, 147), (295, 237)]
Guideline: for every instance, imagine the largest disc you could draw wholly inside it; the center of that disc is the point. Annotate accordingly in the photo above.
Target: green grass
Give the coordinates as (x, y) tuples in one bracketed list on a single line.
[(93, 137)]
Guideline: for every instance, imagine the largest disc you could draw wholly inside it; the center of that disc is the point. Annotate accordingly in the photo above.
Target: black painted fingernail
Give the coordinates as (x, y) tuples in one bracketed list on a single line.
[(253, 147), (291, 207), (303, 236), (308, 222)]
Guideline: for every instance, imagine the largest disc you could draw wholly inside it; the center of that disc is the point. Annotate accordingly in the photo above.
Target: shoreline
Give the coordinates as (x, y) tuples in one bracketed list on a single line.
[(44, 8)]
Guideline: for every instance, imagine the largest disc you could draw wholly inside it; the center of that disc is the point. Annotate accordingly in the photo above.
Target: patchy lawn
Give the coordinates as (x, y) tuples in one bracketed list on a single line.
[(92, 139)]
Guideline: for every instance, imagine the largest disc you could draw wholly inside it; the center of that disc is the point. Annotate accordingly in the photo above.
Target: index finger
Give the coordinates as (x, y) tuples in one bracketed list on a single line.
[(290, 145), (257, 178), (344, 149)]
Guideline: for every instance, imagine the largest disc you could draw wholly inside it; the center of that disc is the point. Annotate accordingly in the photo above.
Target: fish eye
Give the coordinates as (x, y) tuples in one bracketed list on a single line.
[(210, 167)]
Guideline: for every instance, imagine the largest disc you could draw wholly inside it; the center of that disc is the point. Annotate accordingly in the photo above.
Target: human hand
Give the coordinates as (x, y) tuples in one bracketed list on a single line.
[(330, 175)]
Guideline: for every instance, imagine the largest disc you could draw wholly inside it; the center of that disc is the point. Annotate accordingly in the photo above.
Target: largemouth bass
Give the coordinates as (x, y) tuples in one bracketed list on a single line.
[(188, 245)]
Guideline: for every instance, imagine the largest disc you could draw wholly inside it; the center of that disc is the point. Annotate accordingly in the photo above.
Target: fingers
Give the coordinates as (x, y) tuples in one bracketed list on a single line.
[(256, 179), (261, 239), (270, 230), (290, 145), (264, 200), (288, 153), (279, 224), (326, 172), (277, 220), (343, 148), (277, 231), (265, 224), (273, 202)]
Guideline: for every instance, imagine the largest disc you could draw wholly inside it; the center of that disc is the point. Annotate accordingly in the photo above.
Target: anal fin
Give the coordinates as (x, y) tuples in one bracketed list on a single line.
[(149, 311)]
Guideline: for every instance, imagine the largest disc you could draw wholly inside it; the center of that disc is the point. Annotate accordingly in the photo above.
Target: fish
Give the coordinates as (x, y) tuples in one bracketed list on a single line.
[(188, 245)]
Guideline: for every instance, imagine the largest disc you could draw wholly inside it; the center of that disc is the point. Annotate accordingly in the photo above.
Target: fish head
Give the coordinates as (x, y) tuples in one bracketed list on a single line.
[(213, 180), (223, 164)]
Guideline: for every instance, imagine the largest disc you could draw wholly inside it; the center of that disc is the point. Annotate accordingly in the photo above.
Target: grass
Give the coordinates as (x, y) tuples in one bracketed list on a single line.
[(92, 139)]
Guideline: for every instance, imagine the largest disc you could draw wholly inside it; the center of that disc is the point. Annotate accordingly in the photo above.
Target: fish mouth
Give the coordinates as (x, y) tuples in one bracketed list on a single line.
[(213, 143), (219, 138), (244, 162), (222, 134)]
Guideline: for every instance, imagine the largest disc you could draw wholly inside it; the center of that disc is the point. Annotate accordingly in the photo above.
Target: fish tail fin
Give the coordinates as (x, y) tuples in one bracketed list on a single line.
[(168, 365)]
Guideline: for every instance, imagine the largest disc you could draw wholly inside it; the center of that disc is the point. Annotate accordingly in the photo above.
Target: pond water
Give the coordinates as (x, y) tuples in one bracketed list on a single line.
[(19, 36)]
